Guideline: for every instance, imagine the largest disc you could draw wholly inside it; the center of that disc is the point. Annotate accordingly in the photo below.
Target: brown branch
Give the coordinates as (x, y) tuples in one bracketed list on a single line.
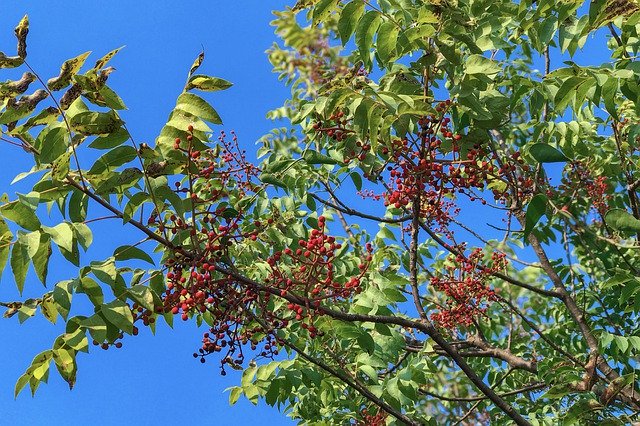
[(413, 257), (540, 333), (500, 275), (351, 212), (529, 388), (503, 354)]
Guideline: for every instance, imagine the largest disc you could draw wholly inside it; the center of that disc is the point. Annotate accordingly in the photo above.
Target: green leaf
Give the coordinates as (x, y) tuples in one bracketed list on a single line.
[(92, 289), (83, 234), (622, 343), (119, 314), (478, 64), (62, 295), (96, 326), (31, 241), (272, 180), (369, 371), (314, 157), (195, 105), (52, 142), (21, 214), (23, 250), (113, 159), (349, 18), (105, 271), (21, 383), (41, 258), (60, 168), (386, 41), (5, 240), (111, 140), (143, 295), (535, 210), (609, 92), (621, 220), (357, 180), (66, 364), (323, 9), (49, 309), (207, 84), (365, 30), (68, 69), (96, 123), (544, 153), (567, 92), (130, 252), (133, 205), (62, 234), (111, 98), (234, 395)]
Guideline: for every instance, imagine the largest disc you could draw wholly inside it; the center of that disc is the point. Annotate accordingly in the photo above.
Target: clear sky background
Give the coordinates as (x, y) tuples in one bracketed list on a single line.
[(151, 380)]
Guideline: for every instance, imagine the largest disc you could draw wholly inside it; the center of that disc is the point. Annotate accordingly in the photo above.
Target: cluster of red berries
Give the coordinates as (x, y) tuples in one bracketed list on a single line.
[(378, 418), (218, 178), (464, 283), (116, 343), (219, 168), (579, 182), (435, 165), (307, 271), (198, 281), (237, 331), (335, 127), (196, 288)]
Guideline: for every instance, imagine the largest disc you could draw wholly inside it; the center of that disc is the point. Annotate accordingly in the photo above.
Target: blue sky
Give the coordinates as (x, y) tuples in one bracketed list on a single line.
[(151, 380)]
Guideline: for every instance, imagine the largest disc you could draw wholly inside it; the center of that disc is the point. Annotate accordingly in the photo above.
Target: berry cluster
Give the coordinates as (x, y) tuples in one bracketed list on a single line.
[(308, 273), (335, 127), (200, 282), (116, 343), (464, 283), (579, 182), (218, 169), (228, 306), (372, 419), (436, 164)]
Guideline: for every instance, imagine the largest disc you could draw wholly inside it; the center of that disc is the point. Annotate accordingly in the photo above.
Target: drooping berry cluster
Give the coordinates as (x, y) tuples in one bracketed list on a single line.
[(227, 305), (218, 180), (436, 164), (464, 283), (307, 271), (200, 281)]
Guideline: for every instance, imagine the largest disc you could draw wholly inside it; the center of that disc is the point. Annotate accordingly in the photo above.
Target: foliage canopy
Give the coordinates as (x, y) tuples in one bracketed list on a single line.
[(349, 274)]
